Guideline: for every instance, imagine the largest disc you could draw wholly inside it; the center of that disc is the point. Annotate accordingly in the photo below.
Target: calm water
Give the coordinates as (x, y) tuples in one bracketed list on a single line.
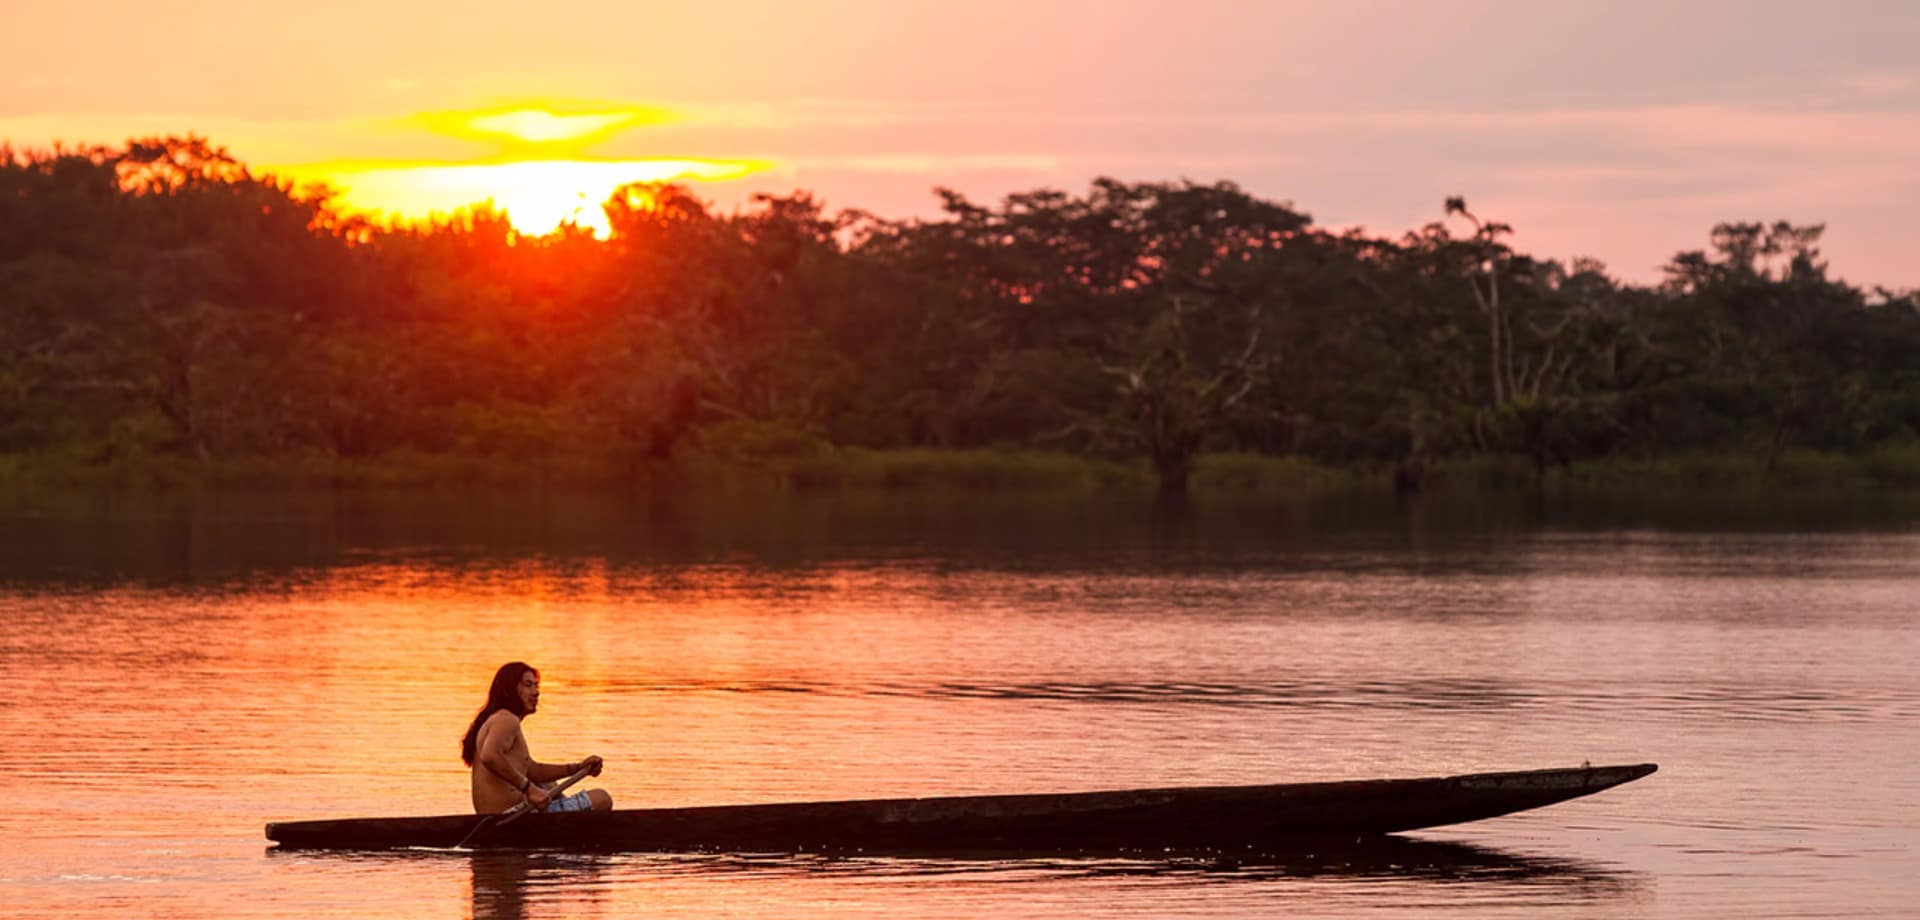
[(174, 674)]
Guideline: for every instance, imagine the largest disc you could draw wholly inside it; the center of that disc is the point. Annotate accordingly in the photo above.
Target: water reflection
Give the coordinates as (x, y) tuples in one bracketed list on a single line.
[(505, 884), (1732, 701), (1391, 857), (534, 884), (226, 539)]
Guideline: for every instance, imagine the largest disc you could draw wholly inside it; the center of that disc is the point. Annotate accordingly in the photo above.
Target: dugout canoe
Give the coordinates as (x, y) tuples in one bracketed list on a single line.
[(1188, 818)]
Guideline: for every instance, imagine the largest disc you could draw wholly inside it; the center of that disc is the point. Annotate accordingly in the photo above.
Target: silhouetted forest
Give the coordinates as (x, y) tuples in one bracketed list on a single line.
[(161, 299)]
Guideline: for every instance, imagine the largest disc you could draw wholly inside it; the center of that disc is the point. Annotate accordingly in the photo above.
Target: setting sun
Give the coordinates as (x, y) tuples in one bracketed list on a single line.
[(538, 172), (537, 195)]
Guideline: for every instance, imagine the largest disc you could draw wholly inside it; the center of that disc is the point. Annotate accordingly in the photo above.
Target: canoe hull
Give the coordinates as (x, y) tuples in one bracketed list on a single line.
[(1193, 818)]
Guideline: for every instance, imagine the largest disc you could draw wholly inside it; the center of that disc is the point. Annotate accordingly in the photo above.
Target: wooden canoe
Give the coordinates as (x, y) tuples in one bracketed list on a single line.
[(1261, 818)]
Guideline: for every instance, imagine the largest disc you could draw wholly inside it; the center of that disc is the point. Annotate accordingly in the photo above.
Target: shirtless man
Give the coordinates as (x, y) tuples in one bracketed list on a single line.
[(504, 771)]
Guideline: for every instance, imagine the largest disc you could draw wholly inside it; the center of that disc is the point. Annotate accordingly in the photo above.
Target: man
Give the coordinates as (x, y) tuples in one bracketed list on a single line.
[(504, 771)]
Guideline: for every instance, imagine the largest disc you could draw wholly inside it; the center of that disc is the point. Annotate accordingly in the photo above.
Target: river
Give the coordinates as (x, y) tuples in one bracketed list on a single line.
[(177, 672)]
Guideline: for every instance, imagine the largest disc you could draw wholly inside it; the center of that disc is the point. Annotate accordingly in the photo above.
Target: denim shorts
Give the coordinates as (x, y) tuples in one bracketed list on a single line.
[(578, 801)]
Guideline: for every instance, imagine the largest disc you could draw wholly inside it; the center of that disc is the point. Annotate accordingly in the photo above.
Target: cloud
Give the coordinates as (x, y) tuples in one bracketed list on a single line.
[(1879, 84), (928, 164)]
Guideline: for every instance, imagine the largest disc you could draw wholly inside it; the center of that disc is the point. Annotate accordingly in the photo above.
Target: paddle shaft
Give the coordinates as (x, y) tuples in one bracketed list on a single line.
[(510, 815), (526, 805)]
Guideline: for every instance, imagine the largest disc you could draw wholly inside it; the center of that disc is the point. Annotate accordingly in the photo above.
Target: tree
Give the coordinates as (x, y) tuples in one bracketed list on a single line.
[(1142, 306), (1488, 252)]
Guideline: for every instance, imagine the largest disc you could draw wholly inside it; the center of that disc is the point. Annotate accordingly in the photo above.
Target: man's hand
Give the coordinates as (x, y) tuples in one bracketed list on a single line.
[(538, 796), (593, 760)]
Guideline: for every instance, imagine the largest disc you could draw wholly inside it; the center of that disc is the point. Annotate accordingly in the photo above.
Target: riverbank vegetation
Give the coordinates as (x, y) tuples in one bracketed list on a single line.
[(168, 316)]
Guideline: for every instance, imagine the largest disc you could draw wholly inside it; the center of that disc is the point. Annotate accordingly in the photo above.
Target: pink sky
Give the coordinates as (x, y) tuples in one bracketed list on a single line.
[(1621, 130)]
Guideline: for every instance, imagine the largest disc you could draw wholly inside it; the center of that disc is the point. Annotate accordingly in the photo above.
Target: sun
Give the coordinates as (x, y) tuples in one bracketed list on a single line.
[(537, 195), (539, 175)]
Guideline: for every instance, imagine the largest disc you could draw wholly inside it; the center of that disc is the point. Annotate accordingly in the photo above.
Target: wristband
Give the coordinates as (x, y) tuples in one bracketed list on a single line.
[(525, 783)]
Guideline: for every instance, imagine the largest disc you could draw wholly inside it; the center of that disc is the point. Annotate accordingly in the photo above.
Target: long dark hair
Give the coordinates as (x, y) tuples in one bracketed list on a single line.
[(504, 694)]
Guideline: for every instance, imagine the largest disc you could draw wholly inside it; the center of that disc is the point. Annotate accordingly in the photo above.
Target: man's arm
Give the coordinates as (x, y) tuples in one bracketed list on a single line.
[(496, 741), (495, 747), (555, 772)]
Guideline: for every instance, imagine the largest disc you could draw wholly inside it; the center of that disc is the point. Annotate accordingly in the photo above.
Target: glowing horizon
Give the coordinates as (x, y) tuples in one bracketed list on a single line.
[(539, 176), (537, 196)]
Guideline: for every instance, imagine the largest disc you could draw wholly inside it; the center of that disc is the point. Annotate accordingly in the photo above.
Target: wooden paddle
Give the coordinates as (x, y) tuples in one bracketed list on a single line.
[(526, 805)]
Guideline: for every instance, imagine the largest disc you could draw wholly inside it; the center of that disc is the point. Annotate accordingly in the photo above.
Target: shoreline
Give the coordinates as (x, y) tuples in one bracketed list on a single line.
[(1888, 469)]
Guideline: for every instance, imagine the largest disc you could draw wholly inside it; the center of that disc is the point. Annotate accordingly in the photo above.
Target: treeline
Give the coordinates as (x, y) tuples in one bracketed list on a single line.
[(161, 299)]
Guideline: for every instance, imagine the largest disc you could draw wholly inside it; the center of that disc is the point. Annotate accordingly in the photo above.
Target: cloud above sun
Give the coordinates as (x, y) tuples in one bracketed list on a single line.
[(548, 127)]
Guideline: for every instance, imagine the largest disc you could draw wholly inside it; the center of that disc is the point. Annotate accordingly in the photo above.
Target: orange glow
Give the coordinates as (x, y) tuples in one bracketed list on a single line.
[(537, 195), (538, 174)]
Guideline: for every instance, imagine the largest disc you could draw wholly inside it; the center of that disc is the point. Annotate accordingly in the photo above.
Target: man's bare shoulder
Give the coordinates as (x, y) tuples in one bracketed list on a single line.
[(501, 721)]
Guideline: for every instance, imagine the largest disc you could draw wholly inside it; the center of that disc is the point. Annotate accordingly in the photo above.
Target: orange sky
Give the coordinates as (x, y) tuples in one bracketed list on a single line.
[(1622, 131)]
